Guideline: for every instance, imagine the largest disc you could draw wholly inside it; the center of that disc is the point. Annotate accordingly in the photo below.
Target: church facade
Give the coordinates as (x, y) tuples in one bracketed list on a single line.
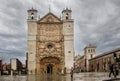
[(50, 43)]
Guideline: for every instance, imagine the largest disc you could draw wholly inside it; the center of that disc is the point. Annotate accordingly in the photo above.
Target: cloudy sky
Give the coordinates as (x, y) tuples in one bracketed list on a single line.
[(96, 22)]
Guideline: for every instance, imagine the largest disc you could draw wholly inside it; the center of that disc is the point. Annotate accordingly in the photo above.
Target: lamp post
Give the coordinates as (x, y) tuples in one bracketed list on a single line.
[(85, 65), (115, 57), (0, 71)]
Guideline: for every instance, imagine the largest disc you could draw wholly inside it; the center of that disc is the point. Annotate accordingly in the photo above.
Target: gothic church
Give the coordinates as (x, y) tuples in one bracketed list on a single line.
[(50, 43)]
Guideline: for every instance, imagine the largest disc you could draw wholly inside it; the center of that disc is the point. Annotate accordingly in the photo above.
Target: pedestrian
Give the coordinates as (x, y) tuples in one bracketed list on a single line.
[(112, 70), (71, 73), (116, 71)]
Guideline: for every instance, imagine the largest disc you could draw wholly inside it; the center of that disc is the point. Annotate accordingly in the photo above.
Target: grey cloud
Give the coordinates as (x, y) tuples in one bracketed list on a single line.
[(117, 2), (102, 35), (13, 19), (105, 35), (13, 15)]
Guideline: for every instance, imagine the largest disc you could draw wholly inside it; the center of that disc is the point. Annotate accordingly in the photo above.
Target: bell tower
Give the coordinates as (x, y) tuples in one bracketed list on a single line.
[(66, 14), (68, 32), (32, 32), (32, 14), (90, 52)]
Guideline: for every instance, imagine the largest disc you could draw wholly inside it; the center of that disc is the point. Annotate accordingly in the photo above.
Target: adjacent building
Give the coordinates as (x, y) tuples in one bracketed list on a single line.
[(5, 69), (78, 64), (83, 61), (102, 62), (76, 58), (16, 64), (26, 62), (97, 63), (0, 64), (50, 42), (89, 53)]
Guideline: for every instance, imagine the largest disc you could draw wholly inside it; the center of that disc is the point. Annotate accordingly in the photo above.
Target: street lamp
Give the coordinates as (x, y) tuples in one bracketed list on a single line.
[(114, 56)]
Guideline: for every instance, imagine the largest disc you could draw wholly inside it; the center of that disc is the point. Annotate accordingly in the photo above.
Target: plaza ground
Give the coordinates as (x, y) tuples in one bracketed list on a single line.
[(76, 77)]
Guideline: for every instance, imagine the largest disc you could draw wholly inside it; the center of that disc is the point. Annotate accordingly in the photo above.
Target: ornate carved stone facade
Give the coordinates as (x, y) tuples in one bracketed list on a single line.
[(48, 39), (50, 45)]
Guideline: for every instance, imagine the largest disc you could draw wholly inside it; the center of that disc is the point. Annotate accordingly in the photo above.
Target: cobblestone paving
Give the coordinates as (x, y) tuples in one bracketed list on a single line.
[(76, 77)]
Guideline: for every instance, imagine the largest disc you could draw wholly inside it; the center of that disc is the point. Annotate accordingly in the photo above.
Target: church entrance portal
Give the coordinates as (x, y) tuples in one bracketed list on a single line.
[(49, 69), (50, 65)]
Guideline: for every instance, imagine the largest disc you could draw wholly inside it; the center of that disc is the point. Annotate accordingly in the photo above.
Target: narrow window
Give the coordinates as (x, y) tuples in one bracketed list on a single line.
[(66, 15), (32, 15), (91, 56)]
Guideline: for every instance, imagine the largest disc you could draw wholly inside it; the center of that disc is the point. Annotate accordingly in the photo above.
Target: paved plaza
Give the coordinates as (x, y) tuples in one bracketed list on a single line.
[(76, 77)]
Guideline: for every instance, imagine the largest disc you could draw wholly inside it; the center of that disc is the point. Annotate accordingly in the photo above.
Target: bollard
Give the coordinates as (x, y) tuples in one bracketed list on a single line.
[(11, 72), (71, 74), (19, 72)]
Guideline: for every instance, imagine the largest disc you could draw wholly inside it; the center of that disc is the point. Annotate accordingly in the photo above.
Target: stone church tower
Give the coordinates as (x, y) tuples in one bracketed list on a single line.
[(50, 43), (90, 52)]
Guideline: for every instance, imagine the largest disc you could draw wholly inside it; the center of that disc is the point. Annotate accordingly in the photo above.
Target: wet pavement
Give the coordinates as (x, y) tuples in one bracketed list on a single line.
[(76, 77)]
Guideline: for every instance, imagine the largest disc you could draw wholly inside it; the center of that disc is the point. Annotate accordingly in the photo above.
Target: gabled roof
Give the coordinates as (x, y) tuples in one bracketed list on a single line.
[(51, 15)]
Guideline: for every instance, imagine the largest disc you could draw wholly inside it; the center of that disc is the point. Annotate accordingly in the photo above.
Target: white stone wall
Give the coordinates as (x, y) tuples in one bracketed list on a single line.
[(32, 32), (68, 44), (90, 50), (14, 64)]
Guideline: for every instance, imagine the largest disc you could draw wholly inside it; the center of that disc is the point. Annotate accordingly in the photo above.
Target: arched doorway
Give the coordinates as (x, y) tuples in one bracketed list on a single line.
[(50, 65), (49, 69)]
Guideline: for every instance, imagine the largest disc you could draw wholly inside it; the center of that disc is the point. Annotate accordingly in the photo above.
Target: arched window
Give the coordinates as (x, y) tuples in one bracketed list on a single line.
[(32, 15), (66, 15)]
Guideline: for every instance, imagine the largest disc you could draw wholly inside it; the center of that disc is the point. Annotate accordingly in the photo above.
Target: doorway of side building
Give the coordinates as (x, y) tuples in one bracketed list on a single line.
[(49, 69)]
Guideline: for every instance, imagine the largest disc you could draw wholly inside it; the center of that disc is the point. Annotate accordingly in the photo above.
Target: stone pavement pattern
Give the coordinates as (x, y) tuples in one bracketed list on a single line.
[(76, 77)]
